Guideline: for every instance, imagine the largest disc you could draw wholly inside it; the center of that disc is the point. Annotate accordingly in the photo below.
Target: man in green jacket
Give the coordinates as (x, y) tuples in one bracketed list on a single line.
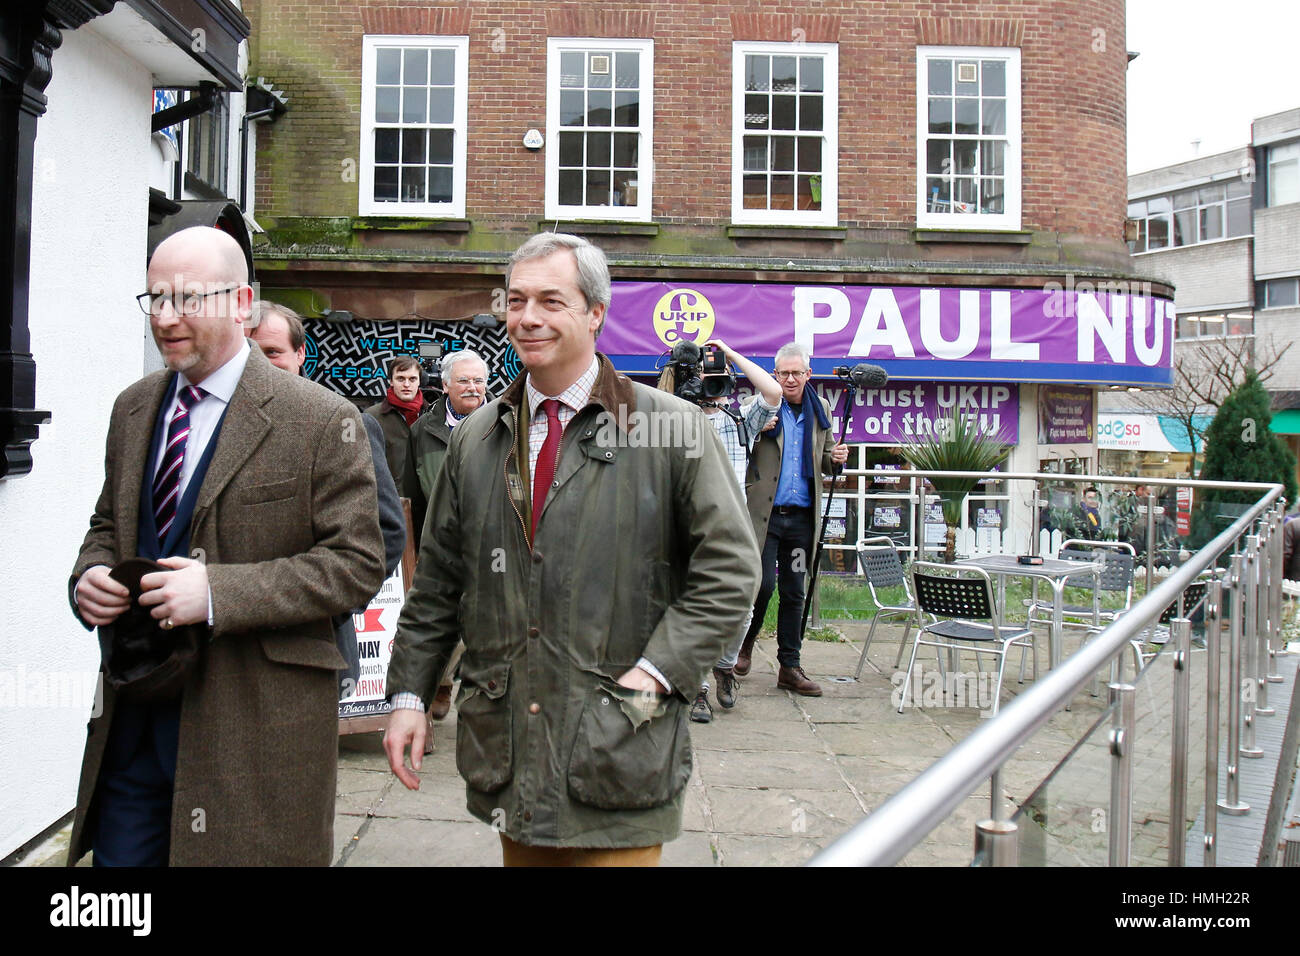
[(464, 380), (594, 578)]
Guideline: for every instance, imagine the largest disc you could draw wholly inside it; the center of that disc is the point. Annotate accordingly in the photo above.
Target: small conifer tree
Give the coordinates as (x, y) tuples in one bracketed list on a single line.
[(1240, 447)]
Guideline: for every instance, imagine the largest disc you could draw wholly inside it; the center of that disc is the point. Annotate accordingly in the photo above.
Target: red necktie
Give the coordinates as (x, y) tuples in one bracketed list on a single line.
[(545, 472)]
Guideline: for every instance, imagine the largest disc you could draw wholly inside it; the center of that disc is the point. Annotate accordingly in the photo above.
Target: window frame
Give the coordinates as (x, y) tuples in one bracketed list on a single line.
[(1269, 285), (641, 212), (367, 205), (207, 147), (1215, 325), (1013, 181), (828, 215), (1170, 218), (1292, 158)]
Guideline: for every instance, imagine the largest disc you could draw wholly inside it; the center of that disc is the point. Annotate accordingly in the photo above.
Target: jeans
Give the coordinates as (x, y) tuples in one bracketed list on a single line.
[(787, 552), (732, 651)]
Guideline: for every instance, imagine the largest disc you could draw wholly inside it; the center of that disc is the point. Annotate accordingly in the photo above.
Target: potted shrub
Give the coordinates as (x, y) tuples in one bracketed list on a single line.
[(956, 444)]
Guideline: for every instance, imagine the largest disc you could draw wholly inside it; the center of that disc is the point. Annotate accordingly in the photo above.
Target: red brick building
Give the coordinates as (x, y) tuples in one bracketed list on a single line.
[(863, 161)]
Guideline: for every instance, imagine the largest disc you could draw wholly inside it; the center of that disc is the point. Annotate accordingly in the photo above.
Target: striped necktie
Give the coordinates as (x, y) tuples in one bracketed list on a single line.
[(167, 484)]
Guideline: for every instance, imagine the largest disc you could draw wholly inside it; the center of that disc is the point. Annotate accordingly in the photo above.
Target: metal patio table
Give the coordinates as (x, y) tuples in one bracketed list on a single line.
[(1055, 572)]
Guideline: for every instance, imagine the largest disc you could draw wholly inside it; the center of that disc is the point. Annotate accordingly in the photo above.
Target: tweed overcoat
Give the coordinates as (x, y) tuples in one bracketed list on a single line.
[(286, 522)]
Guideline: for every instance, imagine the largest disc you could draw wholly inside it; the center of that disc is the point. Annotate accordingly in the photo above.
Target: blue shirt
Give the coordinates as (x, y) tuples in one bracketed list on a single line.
[(792, 485)]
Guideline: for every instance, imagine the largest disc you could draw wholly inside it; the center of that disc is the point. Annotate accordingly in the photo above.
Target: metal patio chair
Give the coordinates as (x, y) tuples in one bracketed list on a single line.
[(883, 568), (1119, 560), (964, 615), (1189, 602)]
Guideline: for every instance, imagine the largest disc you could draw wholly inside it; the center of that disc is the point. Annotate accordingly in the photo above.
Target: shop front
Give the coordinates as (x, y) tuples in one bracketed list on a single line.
[(1023, 364), (1149, 446)]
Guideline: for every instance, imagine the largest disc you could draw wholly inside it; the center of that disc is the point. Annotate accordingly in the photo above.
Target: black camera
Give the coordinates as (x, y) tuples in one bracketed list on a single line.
[(701, 373), (431, 365)]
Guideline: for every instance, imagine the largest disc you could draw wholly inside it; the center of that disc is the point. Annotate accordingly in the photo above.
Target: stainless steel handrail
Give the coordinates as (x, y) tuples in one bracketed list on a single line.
[(885, 837)]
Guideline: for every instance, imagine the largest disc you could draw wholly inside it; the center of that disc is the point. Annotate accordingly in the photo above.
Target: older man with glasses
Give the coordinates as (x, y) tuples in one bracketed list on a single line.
[(784, 499), (464, 379)]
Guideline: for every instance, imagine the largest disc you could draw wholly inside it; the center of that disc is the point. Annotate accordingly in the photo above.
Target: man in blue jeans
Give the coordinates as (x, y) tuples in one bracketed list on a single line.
[(784, 490)]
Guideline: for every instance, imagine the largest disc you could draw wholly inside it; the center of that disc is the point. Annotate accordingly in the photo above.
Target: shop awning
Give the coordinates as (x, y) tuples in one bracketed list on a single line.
[(1286, 422)]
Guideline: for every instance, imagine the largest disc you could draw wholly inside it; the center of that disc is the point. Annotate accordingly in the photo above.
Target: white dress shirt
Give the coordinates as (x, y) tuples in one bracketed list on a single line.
[(204, 414)]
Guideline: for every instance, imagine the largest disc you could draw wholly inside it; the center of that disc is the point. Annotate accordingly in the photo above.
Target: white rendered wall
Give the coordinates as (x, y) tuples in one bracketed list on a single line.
[(94, 161)]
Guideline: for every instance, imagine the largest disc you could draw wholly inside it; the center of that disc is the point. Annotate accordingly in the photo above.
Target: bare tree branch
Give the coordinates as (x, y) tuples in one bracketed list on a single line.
[(1205, 372)]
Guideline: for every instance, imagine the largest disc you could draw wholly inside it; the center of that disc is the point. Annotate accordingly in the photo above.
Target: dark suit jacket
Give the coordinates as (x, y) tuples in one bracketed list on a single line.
[(286, 522), (392, 524), (401, 462)]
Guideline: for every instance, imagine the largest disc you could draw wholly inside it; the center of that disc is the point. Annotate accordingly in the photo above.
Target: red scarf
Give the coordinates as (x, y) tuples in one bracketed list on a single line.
[(410, 410)]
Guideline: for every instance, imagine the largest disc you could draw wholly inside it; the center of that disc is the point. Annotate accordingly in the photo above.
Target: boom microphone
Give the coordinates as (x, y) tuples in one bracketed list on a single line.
[(864, 375)]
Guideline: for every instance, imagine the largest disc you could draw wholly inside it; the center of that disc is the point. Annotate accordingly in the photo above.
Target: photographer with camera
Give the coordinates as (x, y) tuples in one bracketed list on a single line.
[(702, 376), (784, 485)]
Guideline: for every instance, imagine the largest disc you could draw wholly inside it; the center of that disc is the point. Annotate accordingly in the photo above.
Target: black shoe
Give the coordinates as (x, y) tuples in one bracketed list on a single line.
[(727, 687), (701, 712)]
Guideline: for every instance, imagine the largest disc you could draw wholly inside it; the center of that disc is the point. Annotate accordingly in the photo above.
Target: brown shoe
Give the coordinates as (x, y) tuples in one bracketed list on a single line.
[(743, 660), (441, 705), (793, 678)]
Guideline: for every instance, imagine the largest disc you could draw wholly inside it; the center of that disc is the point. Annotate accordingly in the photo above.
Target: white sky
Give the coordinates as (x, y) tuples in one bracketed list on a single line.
[(1207, 68)]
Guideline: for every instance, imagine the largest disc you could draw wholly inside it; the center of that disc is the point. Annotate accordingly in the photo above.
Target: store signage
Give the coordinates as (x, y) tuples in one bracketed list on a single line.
[(376, 628), (1148, 432), (897, 414), (1063, 334), (353, 357), (1064, 415)]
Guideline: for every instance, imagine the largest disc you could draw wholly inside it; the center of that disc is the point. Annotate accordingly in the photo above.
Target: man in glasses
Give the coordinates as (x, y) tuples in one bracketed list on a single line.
[(255, 491), (784, 493), (464, 380)]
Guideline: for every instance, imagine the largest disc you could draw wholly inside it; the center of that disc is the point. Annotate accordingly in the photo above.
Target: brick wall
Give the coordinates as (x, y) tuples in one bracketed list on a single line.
[(1073, 75)]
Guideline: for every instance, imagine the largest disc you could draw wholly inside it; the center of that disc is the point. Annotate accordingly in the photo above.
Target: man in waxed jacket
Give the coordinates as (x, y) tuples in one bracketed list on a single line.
[(587, 540), (464, 379)]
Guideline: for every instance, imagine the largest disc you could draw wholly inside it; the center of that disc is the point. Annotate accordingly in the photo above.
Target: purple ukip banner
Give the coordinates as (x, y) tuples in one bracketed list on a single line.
[(1076, 333), (897, 414)]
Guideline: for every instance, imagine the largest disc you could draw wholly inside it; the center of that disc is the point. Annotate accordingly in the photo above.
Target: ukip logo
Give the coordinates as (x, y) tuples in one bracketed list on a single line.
[(683, 315)]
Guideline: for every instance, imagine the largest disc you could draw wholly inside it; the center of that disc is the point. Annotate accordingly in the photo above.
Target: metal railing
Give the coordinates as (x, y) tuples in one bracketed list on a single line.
[(1252, 585)]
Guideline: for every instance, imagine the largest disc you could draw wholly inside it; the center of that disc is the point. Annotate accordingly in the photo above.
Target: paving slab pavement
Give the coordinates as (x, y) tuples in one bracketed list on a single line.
[(775, 779), (780, 777)]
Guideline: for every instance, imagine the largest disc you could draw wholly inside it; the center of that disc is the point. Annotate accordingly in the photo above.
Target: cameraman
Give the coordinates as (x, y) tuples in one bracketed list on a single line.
[(738, 439)]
